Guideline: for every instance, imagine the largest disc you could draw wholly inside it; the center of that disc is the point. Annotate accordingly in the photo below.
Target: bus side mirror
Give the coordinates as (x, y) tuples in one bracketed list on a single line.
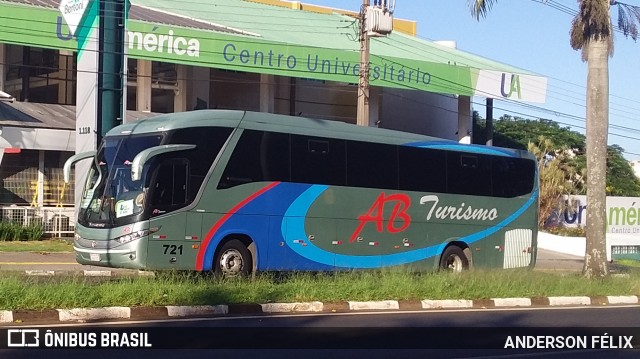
[(66, 170), (146, 155)]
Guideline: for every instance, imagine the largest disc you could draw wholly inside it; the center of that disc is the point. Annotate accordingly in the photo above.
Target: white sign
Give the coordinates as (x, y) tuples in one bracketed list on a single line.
[(517, 87), (622, 214), (124, 208), (72, 11)]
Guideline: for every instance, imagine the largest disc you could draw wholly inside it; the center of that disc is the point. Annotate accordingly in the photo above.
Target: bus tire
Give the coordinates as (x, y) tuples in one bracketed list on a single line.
[(233, 260), (454, 260)]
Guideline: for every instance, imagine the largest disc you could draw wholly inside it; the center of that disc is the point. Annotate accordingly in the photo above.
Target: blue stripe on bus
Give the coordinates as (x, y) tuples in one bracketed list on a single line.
[(252, 221), (463, 148), (295, 228)]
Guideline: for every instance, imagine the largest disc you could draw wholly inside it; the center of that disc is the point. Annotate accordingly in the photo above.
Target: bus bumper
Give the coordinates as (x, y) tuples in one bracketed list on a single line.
[(125, 256)]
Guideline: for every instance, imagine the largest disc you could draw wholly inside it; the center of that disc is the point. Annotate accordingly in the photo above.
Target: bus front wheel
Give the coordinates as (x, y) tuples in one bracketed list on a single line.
[(233, 260), (454, 260)]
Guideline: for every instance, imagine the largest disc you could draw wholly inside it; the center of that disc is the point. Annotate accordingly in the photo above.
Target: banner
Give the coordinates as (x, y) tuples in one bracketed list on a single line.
[(46, 28), (622, 214), (165, 337)]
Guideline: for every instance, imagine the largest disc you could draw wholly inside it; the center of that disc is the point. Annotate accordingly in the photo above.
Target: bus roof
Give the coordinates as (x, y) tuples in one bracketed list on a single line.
[(266, 121), (286, 124)]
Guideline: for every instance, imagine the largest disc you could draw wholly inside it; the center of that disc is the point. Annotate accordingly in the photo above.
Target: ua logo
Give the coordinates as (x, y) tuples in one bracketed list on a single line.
[(514, 85)]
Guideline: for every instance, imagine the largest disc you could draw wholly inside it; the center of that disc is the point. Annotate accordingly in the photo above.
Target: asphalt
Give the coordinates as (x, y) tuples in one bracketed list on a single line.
[(53, 264)]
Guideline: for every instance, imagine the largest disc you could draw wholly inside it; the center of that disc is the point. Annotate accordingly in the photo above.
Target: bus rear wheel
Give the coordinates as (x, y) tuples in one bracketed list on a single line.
[(454, 260), (233, 260)]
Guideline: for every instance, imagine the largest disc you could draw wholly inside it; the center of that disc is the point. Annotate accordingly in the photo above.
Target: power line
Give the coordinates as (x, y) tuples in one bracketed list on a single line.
[(535, 108)]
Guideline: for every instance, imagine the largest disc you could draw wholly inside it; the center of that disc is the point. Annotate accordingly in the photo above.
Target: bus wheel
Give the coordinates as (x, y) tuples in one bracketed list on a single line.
[(233, 260), (454, 260)]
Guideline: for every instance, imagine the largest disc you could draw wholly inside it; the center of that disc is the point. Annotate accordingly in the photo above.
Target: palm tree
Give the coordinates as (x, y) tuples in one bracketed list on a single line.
[(592, 33)]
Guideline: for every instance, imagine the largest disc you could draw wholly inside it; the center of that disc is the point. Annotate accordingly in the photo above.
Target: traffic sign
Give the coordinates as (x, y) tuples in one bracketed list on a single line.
[(72, 11)]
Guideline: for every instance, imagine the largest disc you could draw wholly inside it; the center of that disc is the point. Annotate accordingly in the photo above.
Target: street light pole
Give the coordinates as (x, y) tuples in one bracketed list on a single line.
[(363, 84)]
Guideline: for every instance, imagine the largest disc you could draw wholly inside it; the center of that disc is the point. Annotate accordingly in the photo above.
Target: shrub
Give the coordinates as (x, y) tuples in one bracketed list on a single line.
[(566, 231), (11, 231), (32, 232)]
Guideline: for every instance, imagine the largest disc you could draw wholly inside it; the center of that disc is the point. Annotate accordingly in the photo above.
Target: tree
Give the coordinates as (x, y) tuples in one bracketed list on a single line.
[(592, 33), (558, 177), (517, 132), (621, 180)]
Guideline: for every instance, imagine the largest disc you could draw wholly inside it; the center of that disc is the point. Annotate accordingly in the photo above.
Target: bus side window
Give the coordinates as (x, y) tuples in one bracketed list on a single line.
[(372, 165), (209, 142), (258, 156), (512, 177), (169, 186), (318, 160), (468, 174), (422, 169)]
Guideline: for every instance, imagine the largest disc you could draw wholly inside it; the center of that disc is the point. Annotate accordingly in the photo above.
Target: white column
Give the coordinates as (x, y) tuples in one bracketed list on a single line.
[(40, 178), (3, 68), (465, 125), (267, 93), (180, 94), (143, 86)]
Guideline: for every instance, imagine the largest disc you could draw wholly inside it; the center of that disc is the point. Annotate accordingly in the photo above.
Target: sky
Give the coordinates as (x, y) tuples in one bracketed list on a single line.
[(534, 36)]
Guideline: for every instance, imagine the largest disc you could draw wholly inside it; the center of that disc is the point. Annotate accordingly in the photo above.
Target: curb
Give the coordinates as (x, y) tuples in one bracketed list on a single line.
[(87, 273), (166, 312)]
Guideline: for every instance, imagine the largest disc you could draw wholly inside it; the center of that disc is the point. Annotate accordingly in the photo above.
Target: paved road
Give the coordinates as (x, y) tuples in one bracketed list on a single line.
[(547, 260), (550, 260), (436, 334), (59, 262)]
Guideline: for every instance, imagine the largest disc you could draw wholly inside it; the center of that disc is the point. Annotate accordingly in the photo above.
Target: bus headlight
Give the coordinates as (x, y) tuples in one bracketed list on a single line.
[(131, 236)]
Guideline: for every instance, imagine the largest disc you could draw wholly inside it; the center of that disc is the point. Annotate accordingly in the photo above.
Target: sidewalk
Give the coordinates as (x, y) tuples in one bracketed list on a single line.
[(59, 263), (51, 263)]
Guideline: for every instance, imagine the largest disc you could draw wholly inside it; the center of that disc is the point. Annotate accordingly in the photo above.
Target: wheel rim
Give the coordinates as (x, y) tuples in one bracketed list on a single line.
[(231, 262), (454, 263)]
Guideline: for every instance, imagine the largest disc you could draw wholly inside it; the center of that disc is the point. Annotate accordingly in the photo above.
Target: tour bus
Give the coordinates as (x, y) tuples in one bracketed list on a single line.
[(236, 192)]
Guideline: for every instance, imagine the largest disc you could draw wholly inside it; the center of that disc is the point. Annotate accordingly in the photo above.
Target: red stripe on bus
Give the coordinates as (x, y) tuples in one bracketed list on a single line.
[(221, 221)]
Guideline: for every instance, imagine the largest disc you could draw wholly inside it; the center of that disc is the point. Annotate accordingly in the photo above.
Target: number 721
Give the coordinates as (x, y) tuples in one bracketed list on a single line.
[(172, 249)]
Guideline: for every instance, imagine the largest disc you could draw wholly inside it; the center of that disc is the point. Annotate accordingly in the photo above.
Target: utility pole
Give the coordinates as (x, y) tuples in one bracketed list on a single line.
[(489, 122), (363, 84)]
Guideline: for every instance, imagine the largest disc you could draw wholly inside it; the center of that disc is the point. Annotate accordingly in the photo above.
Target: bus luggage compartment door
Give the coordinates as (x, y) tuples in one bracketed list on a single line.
[(175, 245)]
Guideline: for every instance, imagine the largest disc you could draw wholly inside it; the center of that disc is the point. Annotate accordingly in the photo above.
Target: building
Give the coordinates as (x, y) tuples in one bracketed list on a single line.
[(635, 165), (273, 56)]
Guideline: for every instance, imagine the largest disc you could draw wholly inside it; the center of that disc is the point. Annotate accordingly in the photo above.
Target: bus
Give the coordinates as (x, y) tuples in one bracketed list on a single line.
[(236, 192)]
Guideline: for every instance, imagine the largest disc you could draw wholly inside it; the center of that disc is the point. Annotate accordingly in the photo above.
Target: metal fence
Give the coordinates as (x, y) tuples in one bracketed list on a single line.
[(35, 178), (56, 221)]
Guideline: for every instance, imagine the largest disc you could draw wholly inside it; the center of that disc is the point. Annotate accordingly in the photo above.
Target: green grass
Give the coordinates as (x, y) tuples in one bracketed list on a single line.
[(629, 263), (49, 245), (189, 289)]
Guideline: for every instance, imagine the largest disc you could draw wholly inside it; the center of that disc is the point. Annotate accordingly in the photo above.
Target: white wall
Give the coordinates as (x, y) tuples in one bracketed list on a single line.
[(404, 110), (317, 99), (635, 165), (576, 246), (37, 139), (420, 112)]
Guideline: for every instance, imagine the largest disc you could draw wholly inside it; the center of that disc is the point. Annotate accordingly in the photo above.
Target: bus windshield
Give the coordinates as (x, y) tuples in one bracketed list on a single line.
[(110, 197)]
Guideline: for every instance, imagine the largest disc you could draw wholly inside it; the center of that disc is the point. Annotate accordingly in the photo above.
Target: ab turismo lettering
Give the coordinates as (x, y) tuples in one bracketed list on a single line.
[(462, 212)]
